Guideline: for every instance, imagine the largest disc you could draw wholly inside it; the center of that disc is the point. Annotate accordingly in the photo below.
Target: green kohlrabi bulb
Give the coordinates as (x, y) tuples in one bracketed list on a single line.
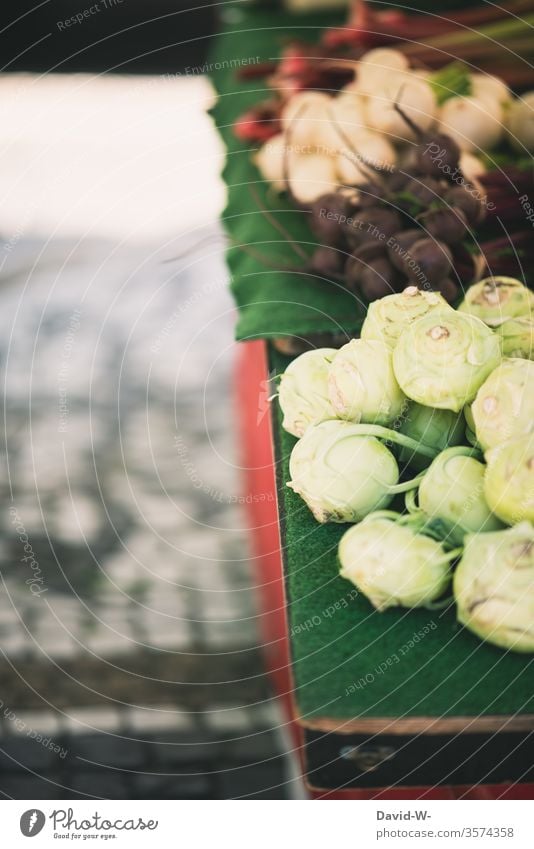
[(453, 492), (442, 359), (509, 481), (436, 428), (494, 587), (504, 406), (392, 565), (495, 299), (303, 393), (387, 317), (362, 385), (517, 337), (341, 475)]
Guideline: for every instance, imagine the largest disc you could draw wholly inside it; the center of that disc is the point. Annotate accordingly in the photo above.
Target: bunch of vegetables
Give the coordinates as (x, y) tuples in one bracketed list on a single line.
[(390, 175), (428, 407)]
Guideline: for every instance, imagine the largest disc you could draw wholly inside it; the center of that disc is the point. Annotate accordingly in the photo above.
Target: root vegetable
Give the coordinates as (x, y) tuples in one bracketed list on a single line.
[(311, 176), (416, 99), (474, 124), (270, 161), (520, 121)]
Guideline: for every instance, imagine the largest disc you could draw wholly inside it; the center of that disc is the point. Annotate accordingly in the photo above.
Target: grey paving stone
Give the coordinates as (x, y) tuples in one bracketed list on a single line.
[(264, 781), (91, 719), (173, 786), (98, 784), (19, 753), (179, 750), (31, 787), (107, 750), (257, 747)]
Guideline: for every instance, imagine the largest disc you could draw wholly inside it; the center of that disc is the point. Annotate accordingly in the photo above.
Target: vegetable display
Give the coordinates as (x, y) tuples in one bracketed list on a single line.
[(427, 448), (405, 164)]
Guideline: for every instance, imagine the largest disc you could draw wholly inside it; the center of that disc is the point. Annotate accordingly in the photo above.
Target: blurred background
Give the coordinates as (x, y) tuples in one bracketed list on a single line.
[(129, 642)]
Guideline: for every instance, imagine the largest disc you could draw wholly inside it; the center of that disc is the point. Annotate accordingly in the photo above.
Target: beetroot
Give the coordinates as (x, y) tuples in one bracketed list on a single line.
[(329, 214), (465, 199), (449, 289), (375, 224), (327, 261), (399, 244), (378, 279), (447, 225), (428, 261)]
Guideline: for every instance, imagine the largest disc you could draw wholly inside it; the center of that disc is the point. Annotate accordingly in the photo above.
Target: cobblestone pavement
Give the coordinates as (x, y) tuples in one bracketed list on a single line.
[(129, 663), (126, 599)]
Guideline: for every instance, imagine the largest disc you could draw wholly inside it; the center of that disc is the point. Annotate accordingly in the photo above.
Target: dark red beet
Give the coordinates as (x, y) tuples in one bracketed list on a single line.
[(399, 244), (449, 289), (447, 225), (437, 156), (370, 251), (359, 260), (328, 216), (378, 279), (370, 194), (428, 261), (372, 225), (397, 180), (466, 199), (421, 192), (327, 261)]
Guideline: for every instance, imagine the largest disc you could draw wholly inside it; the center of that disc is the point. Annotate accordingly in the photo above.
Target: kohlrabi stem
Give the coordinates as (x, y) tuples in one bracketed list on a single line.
[(440, 605), (383, 514), (471, 437), (453, 554), (411, 502), (405, 486), (398, 438)]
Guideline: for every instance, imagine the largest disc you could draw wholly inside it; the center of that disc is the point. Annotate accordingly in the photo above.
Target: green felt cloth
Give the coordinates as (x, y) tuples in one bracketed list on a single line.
[(271, 302), (337, 638)]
